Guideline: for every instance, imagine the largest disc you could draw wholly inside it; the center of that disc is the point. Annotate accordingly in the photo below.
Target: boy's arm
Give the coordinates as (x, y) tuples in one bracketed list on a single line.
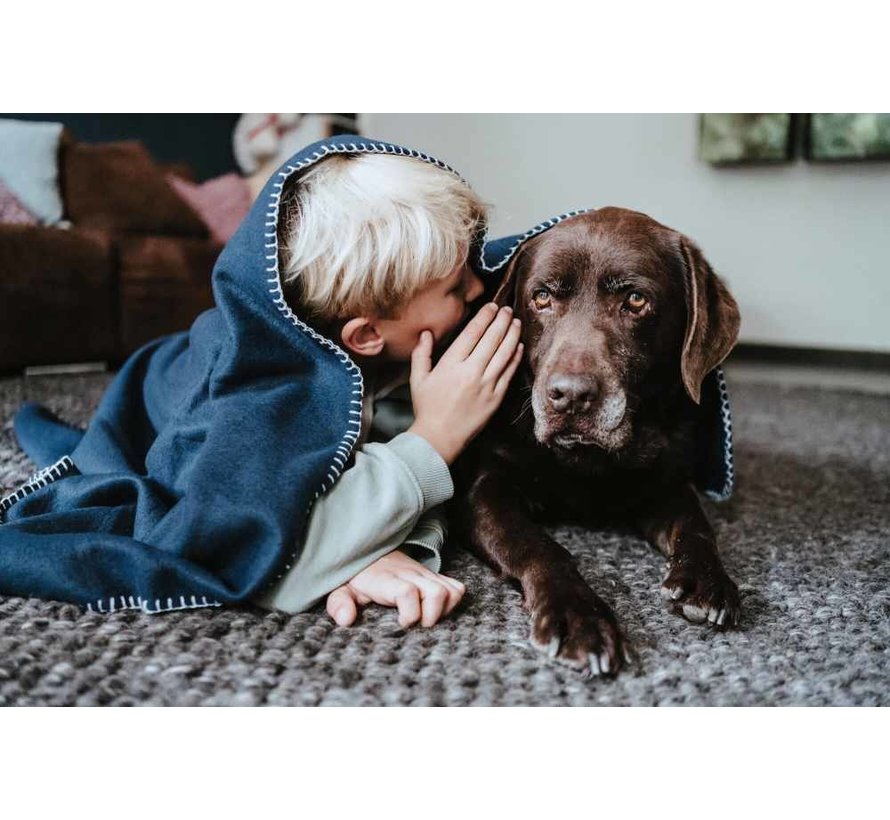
[(374, 506), (368, 513)]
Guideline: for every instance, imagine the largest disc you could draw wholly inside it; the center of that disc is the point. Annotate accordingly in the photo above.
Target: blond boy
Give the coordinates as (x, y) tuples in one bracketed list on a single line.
[(374, 253)]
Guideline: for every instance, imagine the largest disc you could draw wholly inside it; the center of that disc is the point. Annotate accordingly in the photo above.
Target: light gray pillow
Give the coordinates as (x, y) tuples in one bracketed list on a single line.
[(29, 166)]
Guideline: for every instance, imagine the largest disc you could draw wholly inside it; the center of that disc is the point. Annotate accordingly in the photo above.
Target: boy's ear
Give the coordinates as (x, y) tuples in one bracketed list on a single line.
[(361, 337)]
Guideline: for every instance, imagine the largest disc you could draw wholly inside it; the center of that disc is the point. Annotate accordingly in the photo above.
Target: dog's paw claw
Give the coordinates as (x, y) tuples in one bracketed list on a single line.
[(672, 588), (702, 592), (716, 616), (553, 647), (574, 627), (695, 613)]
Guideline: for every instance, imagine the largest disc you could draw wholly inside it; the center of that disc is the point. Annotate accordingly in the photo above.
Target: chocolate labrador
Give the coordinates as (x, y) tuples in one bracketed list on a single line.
[(622, 320)]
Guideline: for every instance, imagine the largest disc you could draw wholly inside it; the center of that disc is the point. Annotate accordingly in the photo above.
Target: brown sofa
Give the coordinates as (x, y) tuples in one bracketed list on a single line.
[(134, 263)]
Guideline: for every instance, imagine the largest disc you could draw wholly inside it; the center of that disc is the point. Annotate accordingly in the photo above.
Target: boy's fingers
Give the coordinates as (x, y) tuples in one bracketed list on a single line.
[(434, 596), (504, 354), (341, 606), (504, 381), (453, 587), (452, 584), (492, 339), (455, 592), (408, 602), (421, 356), (469, 337), (458, 585)]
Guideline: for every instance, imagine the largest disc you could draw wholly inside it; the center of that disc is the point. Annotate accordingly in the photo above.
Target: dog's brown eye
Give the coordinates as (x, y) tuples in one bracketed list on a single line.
[(541, 298), (635, 302)]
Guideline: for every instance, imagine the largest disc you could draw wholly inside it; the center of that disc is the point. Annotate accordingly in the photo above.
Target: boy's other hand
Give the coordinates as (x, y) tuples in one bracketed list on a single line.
[(398, 581), (453, 400)]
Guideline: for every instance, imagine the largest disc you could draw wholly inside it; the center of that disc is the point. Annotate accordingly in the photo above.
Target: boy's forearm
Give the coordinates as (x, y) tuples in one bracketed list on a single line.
[(446, 444), (366, 514)]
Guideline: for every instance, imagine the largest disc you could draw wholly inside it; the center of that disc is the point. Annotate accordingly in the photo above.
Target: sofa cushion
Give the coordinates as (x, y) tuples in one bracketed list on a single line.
[(118, 187), (57, 297), (164, 284)]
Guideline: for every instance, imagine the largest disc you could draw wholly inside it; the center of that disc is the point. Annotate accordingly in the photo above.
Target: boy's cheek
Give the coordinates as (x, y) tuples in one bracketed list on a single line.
[(444, 340)]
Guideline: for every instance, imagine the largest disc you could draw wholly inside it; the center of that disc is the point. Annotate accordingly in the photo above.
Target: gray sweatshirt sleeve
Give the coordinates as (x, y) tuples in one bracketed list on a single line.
[(374, 507), (426, 541)]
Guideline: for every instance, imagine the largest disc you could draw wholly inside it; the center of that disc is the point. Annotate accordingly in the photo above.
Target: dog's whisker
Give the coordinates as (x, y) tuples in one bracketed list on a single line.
[(526, 406)]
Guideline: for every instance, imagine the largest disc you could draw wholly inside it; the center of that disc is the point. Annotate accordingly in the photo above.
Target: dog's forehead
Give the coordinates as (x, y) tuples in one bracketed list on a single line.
[(601, 241)]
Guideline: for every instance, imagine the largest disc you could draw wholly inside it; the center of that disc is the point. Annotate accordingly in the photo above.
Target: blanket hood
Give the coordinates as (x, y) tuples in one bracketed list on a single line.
[(247, 285)]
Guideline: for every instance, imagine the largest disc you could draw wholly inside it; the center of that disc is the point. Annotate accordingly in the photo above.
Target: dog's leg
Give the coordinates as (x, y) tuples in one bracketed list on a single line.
[(696, 585), (569, 621)]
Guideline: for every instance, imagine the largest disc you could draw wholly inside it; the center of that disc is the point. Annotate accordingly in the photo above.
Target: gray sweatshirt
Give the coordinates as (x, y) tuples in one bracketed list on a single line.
[(390, 497)]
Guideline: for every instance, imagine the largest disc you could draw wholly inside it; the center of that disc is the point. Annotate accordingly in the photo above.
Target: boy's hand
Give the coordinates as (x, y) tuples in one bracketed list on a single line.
[(453, 400), (399, 581)]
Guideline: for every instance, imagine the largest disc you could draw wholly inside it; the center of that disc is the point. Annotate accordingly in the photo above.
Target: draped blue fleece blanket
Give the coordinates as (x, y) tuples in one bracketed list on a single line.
[(192, 484)]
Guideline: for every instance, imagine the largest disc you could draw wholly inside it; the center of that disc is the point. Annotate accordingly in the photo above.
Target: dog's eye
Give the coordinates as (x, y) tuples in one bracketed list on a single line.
[(541, 298), (635, 302)]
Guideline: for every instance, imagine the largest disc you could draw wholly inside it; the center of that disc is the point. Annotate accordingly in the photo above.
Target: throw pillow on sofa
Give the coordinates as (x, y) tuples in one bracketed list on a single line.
[(222, 202), (12, 211), (29, 166)]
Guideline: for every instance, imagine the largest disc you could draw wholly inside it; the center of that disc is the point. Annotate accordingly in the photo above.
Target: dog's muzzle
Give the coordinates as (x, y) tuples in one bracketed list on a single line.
[(575, 411)]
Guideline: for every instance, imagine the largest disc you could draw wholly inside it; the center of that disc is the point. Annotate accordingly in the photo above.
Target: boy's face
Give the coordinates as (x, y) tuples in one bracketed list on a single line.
[(440, 307)]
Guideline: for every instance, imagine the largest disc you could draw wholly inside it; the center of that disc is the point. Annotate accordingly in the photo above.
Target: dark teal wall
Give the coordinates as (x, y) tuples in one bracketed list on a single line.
[(204, 141)]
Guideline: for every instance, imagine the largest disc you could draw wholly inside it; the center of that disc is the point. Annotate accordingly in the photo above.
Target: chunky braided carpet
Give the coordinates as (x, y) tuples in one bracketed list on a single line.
[(807, 537)]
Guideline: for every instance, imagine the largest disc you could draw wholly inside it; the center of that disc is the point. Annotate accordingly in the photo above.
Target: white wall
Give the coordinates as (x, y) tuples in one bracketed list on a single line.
[(805, 248)]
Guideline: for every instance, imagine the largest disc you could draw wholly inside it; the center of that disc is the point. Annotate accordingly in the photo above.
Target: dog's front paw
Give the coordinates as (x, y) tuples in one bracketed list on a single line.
[(700, 590), (573, 625)]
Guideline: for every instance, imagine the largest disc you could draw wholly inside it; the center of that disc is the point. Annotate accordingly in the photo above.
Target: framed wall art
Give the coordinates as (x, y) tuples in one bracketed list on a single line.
[(738, 139), (844, 137)]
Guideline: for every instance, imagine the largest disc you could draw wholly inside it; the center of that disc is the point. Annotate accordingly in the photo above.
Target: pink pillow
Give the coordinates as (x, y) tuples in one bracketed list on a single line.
[(221, 202), (12, 212)]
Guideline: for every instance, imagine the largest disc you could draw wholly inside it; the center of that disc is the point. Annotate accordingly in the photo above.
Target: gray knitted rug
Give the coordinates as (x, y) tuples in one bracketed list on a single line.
[(806, 536)]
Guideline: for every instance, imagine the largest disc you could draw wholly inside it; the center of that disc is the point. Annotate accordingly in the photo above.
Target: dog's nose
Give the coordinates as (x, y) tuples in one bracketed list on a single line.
[(571, 393)]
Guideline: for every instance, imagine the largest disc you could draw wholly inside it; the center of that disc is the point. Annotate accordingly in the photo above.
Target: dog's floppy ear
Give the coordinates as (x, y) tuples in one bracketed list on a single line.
[(712, 319), (506, 292)]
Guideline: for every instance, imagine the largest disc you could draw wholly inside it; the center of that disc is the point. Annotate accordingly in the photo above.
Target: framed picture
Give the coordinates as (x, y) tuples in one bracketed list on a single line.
[(844, 137), (737, 139)]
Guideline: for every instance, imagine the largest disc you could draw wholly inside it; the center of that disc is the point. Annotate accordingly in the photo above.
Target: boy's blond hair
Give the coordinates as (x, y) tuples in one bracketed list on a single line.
[(363, 234)]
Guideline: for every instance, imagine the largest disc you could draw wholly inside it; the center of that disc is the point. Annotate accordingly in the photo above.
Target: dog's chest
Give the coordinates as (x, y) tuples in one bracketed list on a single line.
[(590, 484), (599, 496), (554, 491)]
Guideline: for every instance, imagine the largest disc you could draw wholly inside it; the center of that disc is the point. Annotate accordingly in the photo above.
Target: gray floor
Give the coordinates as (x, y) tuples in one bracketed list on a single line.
[(807, 537), (830, 378)]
